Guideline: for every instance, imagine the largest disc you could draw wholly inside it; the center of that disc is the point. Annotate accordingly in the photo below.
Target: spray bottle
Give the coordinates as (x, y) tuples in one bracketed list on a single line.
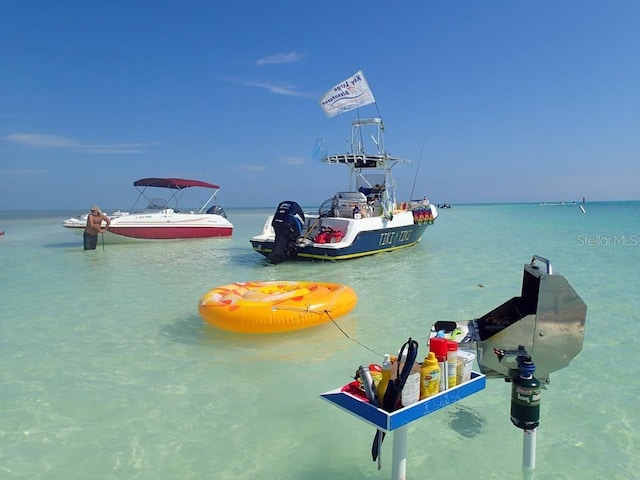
[(386, 376)]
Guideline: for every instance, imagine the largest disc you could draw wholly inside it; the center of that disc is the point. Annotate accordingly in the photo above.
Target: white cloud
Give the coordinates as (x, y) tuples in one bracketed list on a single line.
[(291, 160), (279, 88), (282, 89), (41, 140), (59, 141), (278, 58)]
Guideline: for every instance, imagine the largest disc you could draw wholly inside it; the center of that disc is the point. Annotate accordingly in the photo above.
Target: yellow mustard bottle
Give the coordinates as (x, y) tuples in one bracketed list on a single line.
[(429, 376), (386, 376)]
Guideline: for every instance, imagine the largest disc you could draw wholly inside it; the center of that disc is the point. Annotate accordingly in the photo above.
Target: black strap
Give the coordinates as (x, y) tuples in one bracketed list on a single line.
[(393, 393)]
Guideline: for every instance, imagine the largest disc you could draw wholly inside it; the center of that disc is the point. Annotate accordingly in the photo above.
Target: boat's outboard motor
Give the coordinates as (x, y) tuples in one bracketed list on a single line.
[(287, 223), (217, 210)]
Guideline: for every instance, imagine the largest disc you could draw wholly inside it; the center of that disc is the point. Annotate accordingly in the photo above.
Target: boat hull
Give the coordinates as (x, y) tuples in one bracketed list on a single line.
[(169, 232), (365, 242), (170, 225), (161, 226)]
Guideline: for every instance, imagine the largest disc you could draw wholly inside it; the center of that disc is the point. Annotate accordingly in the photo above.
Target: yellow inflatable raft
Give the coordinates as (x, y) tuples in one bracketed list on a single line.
[(275, 306)]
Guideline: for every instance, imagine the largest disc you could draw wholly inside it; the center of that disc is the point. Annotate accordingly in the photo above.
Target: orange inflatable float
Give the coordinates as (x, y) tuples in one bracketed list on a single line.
[(275, 306)]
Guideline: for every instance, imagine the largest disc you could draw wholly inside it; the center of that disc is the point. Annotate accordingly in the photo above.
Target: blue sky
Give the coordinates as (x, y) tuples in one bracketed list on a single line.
[(494, 101)]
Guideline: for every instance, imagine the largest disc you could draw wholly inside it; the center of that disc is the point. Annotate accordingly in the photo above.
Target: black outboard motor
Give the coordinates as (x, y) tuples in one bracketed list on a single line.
[(287, 223), (217, 210)]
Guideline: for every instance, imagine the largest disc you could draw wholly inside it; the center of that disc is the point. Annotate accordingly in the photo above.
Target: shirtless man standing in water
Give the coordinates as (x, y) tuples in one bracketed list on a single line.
[(94, 227)]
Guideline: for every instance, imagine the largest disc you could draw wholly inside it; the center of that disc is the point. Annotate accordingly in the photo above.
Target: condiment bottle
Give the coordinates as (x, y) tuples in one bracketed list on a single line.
[(438, 346), (386, 375), (429, 376), (411, 390), (452, 363)]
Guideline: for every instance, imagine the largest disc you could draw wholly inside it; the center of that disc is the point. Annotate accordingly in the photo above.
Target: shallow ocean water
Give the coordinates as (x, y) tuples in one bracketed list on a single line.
[(107, 370)]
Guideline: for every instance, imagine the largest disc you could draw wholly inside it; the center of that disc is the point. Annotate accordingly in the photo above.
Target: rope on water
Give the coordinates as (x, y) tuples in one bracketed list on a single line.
[(309, 310), (292, 309), (349, 337)]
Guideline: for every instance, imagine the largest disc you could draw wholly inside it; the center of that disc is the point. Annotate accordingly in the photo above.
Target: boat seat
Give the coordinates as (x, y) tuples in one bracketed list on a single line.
[(345, 201)]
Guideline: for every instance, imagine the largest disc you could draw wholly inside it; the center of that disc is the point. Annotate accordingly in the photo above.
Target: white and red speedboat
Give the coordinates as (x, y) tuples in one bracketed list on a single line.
[(163, 220)]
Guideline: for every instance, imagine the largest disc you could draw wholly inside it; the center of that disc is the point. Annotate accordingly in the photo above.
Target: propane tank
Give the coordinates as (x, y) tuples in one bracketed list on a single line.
[(525, 395)]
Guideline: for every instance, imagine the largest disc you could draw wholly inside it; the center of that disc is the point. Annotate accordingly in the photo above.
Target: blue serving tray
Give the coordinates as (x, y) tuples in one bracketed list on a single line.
[(388, 422)]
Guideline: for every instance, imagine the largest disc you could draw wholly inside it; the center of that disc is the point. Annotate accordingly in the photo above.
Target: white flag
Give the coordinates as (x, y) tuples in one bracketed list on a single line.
[(352, 93)]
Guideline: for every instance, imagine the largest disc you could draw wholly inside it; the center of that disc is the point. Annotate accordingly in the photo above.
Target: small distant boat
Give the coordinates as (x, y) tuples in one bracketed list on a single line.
[(365, 220), (161, 219), (573, 203)]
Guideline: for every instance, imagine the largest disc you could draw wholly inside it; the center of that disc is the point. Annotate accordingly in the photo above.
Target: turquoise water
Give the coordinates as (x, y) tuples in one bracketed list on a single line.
[(108, 372)]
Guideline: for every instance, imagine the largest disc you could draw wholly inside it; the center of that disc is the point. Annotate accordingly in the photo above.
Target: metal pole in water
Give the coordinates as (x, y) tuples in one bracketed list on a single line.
[(529, 454), (529, 449), (399, 459), (525, 411)]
